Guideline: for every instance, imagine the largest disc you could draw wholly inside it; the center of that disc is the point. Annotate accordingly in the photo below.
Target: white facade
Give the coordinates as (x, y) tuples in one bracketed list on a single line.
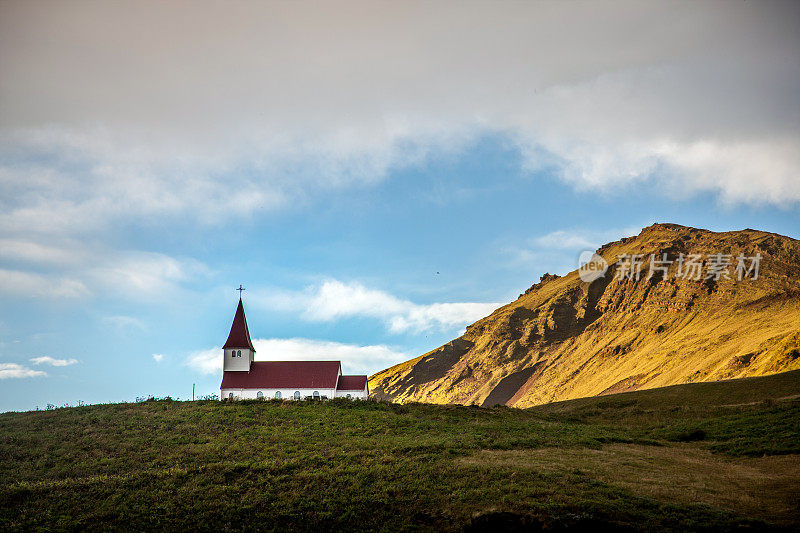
[(270, 394), (292, 394), (237, 359), (352, 394)]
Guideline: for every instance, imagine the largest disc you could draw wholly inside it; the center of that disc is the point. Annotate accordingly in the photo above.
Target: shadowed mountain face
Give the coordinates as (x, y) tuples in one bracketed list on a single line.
[(565, 338)]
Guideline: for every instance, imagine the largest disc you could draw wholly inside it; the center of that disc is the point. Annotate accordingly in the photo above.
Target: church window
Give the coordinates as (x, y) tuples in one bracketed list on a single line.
[(316, 394), (259, 394), (230, 396), (297, 395), (348, 396), (278, 395), (239, 353)]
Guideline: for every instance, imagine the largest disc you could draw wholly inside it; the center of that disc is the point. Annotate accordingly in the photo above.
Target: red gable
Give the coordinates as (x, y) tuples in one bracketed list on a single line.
[(239, 336), (351, 383), (284, 375)]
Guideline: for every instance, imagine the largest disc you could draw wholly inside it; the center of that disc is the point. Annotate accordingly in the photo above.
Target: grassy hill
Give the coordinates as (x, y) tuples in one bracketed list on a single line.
[(565, 338), (700, 456)]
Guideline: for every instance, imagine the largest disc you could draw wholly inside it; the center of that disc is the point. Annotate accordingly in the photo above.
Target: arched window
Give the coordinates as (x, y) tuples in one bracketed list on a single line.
[(230, 396), (316, 395), (278, 395), (349, 397), (259, 394), (297, 395), (233, 353), (239, 353)]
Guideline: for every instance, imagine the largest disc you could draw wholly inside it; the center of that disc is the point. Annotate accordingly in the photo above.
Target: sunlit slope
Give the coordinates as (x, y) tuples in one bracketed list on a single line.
[(565, 338)]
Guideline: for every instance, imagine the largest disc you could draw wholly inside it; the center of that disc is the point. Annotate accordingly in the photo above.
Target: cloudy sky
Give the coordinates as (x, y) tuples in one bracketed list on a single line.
[(376, 174)]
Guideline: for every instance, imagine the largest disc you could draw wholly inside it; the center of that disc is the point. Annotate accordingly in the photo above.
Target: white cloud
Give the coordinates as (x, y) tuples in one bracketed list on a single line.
[(568, 240), (579, 239), (157, 357), (206, 361), (144, 274), (292, 102), (14, 370), (78, 270), (47, 360), (40, 285), (355, 359), (333, 300), (731, 169), (27, 251), (418, 318), (103, 128), (558, 250)]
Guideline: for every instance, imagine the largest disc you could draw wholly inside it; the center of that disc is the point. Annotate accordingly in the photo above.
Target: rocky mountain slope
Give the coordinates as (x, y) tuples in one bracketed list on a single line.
[(566, 338)]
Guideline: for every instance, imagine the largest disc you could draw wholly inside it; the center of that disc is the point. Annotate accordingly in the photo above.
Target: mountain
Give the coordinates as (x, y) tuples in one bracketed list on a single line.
[(567, 338)]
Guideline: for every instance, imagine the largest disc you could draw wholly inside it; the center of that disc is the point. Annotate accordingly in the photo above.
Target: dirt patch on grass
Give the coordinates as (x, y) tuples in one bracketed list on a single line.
[(779, 399), (767, 488)]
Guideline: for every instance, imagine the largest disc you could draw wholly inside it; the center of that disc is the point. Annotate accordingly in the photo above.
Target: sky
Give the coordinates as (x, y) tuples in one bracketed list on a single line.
[(377, 175)]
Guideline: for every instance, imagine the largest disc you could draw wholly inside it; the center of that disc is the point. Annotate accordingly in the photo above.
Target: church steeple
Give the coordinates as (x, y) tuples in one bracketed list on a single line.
[(239, 336), (238, 351)]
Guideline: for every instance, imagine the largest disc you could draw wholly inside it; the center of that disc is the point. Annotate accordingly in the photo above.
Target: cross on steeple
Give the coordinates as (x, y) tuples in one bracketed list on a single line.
[(240, 289)]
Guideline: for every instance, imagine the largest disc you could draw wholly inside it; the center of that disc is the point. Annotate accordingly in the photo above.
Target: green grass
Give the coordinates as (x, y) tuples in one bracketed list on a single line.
[(345, 465), (743, 417)]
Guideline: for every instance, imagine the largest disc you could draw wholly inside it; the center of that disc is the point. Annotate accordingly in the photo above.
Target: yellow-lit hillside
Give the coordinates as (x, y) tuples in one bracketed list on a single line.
[(565, 338)]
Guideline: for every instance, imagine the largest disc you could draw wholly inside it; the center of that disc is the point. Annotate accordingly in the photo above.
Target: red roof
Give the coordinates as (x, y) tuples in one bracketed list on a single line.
[(352, 383), (284, 375), (239, 336)]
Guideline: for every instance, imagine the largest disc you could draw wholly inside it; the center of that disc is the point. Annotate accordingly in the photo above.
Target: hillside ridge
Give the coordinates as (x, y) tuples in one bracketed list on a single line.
[(666, 459), (567, 338)]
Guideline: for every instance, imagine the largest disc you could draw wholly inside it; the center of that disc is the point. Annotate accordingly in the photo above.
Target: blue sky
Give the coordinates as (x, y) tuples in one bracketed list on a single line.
[(376, 182)]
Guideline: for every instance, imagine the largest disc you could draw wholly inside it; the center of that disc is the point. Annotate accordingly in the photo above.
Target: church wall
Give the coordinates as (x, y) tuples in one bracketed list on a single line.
[(237, 363), (355, 394), (286, 394)]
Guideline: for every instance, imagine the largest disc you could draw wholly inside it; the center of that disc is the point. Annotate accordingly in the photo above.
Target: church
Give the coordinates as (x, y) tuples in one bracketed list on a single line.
[(244, 378)]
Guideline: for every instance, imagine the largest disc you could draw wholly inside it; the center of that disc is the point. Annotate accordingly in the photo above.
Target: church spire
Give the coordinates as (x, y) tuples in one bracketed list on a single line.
[(239, 336)]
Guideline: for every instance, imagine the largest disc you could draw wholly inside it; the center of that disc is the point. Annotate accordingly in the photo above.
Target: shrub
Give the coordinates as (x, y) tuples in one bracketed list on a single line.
[(689, 436)]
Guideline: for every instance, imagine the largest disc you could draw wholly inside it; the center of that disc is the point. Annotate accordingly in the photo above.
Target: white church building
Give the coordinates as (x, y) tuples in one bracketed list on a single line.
[(245, 378)]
